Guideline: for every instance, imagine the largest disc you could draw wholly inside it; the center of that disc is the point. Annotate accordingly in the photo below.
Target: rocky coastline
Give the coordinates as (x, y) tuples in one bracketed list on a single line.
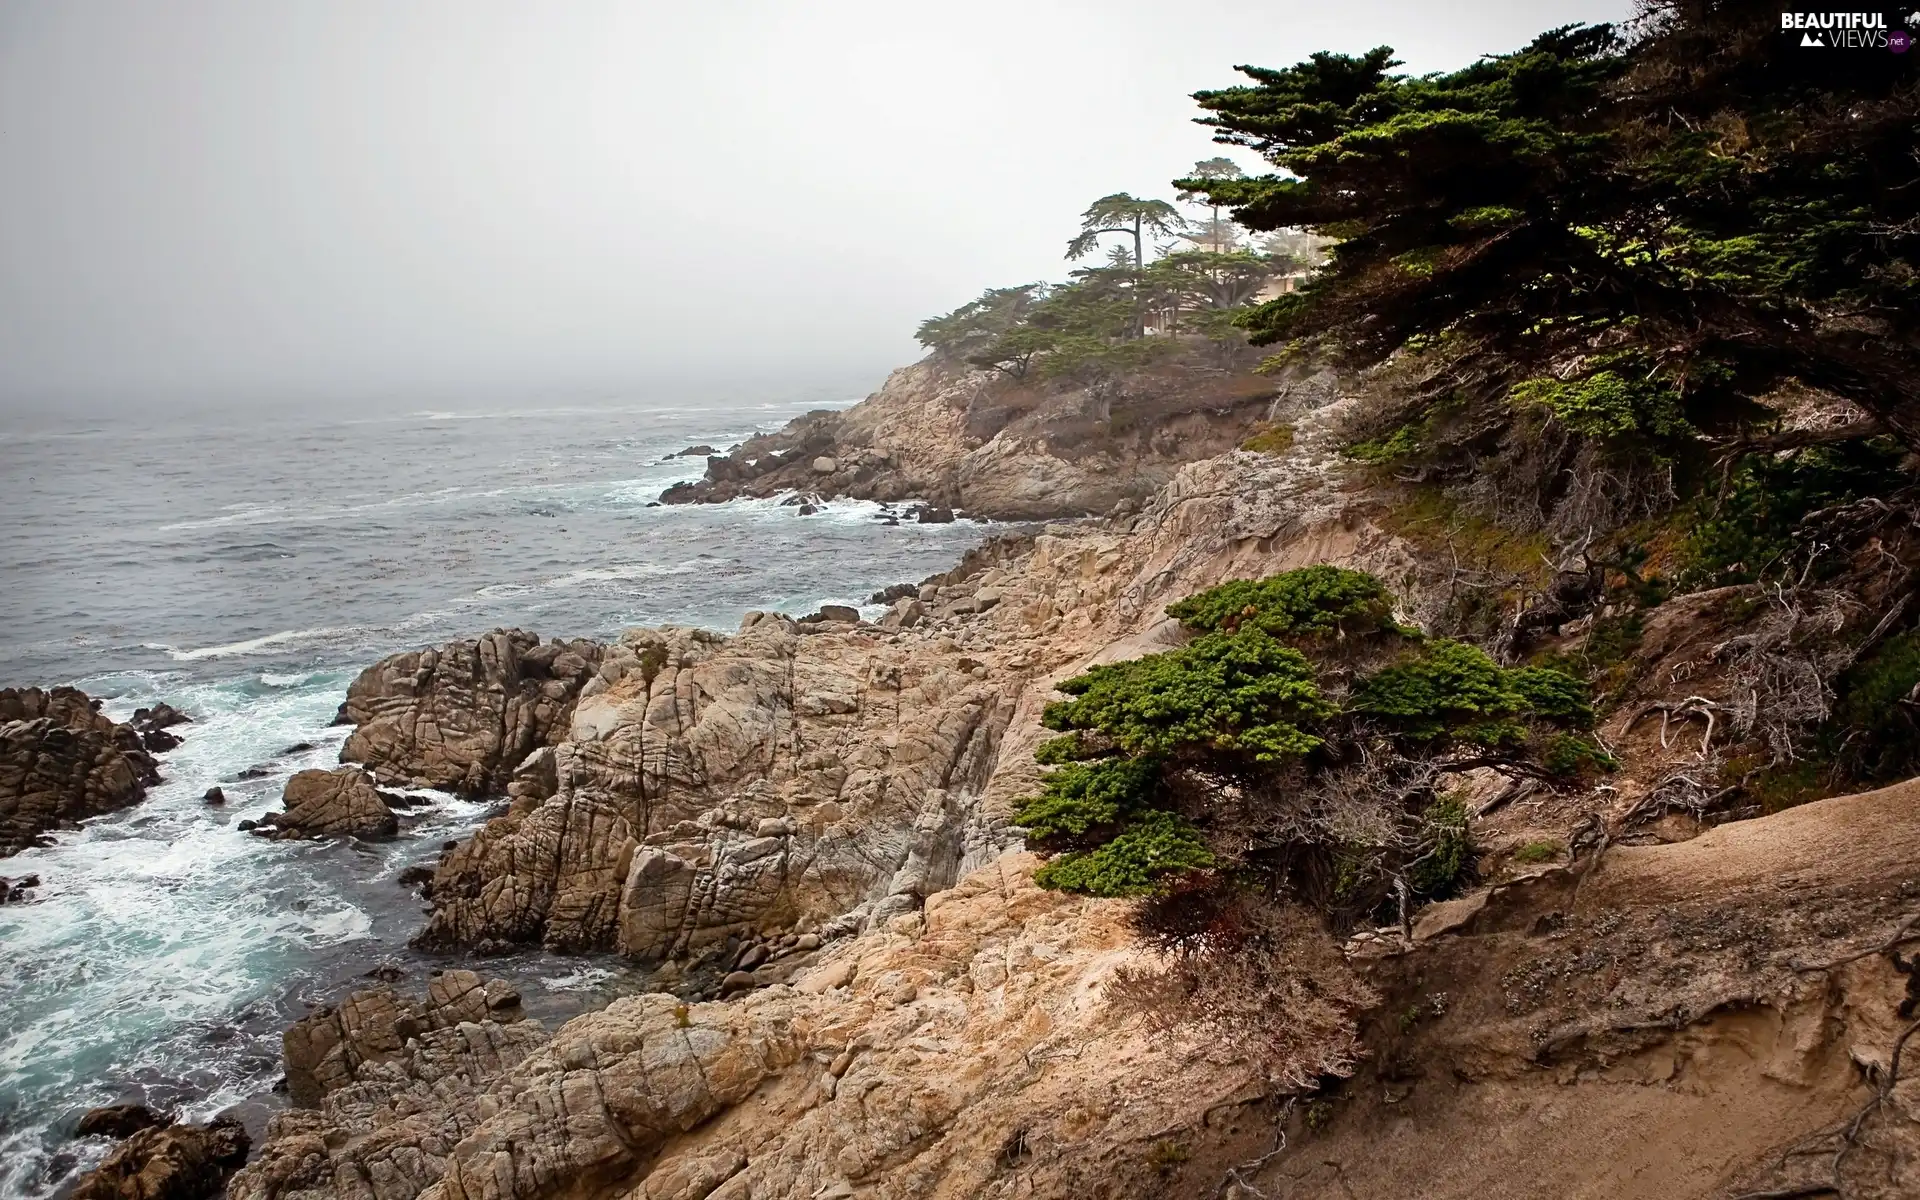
[(805, 827)]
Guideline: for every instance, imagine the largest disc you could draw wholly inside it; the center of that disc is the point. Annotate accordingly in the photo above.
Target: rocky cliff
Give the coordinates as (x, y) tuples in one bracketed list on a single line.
[(1003, 448), (809, 819), (61, 761)]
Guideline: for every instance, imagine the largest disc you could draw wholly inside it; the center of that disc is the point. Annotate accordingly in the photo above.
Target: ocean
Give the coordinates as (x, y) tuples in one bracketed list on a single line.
[(244, 567)]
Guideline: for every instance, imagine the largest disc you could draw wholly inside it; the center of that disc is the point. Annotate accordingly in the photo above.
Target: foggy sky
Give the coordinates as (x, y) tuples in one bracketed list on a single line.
[(415, 200)]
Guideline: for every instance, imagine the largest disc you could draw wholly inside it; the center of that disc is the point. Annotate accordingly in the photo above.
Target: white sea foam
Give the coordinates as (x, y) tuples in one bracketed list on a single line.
[(249, 646)]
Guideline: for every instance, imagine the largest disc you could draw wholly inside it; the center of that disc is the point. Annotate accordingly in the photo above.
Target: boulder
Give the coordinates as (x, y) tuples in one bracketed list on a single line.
[(119, 1121), (339, 803), (825, 466), (841, 613), (175, 1162), (214, 795), (463, 716), (61, 761)]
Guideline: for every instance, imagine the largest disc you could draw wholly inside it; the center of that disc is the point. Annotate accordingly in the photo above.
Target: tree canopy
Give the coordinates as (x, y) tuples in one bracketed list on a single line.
[(1671, 220)]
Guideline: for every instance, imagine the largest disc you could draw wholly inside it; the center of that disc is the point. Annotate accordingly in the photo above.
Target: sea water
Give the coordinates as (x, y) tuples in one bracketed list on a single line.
[(243, 568)]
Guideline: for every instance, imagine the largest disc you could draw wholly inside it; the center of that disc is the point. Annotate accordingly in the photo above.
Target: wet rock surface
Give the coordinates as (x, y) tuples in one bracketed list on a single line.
[(61, 761), (339, 803), (172, 1162)]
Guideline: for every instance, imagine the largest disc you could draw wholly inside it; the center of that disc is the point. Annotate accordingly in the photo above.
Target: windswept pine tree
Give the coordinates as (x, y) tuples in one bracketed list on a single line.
[(1640, 230)]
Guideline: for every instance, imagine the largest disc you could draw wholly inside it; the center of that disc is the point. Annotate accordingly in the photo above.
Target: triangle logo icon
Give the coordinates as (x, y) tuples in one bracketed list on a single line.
[(1808, 39)]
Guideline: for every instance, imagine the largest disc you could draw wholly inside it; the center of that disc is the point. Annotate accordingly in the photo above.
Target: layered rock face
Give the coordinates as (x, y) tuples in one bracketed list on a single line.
[(338, 803), (62, 761), (334, 1047), (462, 716), (723, 785), (1001, 448)]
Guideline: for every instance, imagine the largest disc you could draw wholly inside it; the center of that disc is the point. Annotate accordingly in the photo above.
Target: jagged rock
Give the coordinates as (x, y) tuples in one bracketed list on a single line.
[(841, 613), (159, 741), (333, 1047), (339, 803), (177, 1162), (61, 761), (119, 1121), (646, 846), (463, 716), (160, 716)]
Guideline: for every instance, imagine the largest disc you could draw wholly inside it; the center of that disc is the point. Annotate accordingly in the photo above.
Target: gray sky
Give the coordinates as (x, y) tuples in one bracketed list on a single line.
[(422, 200)]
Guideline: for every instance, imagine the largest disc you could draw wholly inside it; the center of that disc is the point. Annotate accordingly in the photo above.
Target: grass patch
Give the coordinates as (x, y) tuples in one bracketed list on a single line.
[(1431, 519), (1538, 852), (1270, 439)]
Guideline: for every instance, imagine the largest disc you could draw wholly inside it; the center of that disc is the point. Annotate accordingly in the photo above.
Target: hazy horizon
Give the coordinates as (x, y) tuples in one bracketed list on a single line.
[(213, 202)]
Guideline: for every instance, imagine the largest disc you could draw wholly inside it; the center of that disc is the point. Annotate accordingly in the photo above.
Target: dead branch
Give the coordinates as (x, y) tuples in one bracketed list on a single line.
[(1692, 706), (1906, 933), (1795, 439)]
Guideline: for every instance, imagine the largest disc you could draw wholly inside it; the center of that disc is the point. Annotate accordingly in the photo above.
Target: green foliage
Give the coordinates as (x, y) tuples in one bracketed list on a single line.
[(1606, 405), (978, 323), (1134, 863), (1749, 532), (1270, 439), (1068, 747), (1199, 741), (1305, 603), (1219, 695), (1454, 691), (1875, 716), (1554, 694), (1083, 797), (1569, 755), (1442, 867), (1699, 195), (1538, 852), (1402, 443)]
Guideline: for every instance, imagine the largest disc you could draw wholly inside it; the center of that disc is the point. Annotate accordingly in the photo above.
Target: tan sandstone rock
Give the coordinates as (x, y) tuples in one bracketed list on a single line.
[(339, 803)]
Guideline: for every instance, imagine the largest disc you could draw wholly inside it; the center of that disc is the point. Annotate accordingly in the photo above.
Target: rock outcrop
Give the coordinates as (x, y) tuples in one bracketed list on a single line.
[(1001, 448), (1659, 994), (172, 1162), (61, 761), (119, 1121), (339, 803), (719, 786), (461, 717), (334, 1047)]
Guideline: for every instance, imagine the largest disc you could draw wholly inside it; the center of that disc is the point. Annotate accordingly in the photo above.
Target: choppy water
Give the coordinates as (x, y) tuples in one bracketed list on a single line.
[(243, 570)]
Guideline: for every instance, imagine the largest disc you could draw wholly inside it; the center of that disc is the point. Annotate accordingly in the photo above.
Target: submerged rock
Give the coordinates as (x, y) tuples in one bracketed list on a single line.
[(61, 761)]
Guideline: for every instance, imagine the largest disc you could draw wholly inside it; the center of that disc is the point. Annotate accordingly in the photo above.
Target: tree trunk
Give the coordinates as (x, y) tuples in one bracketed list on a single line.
[(1139, 268)]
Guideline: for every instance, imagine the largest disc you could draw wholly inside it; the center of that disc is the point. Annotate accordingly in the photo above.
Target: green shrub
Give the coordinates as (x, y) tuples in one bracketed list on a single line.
[(1607, 404), (1538, 852), (1568, 755), (1873, 717), (1081, 797), (1304, 603), (1240, 694), (1134, 863), (1270, 439), (1442, 867), (1749, 532), (1203, 766)]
